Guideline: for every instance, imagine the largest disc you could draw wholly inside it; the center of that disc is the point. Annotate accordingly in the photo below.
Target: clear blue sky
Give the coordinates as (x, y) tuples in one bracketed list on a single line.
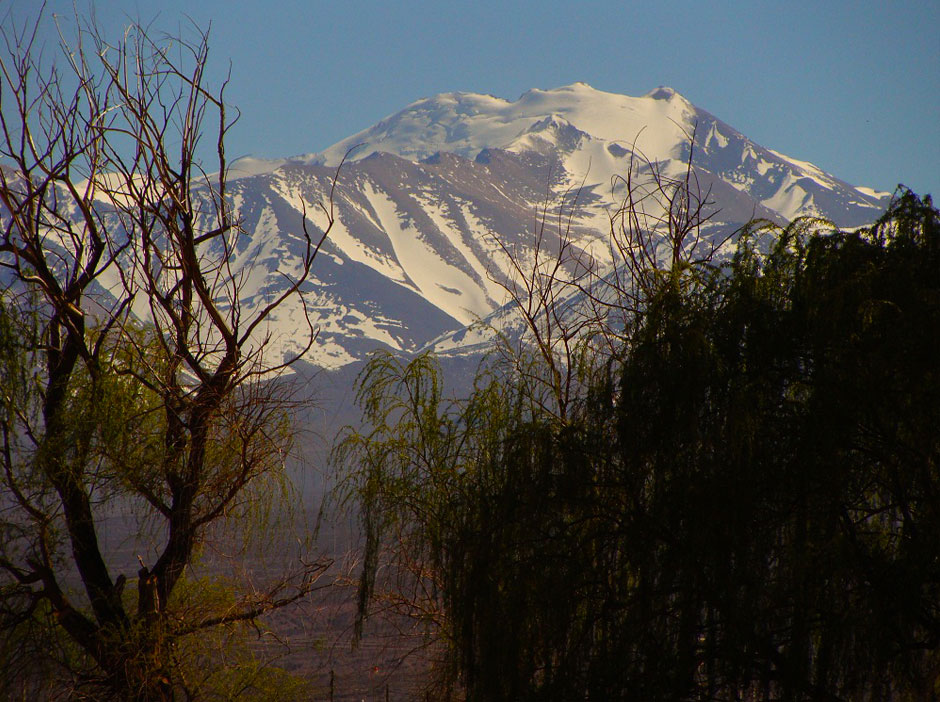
[(852, 86)]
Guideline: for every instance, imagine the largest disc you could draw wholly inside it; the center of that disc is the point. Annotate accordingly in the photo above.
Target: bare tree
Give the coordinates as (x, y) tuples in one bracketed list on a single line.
[(134, 369), (657, 230), (540, 286), (576, 309)]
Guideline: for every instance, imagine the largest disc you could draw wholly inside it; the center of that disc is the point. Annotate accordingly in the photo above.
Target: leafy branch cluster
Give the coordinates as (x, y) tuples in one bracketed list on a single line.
[(739, 501)]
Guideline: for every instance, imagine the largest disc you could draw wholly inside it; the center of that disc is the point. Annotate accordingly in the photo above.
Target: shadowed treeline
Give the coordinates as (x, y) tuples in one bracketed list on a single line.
[(742, 501)]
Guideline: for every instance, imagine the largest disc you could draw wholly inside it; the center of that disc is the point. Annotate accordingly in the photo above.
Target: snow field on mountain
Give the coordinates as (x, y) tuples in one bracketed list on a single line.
[(443, 285), (480, 299), (871, 192), (341, 239), (792, 197), (416, 245), (465, 123)]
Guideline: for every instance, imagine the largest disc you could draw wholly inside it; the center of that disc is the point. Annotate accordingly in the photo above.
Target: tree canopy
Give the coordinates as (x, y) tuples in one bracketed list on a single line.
[(743, 502)]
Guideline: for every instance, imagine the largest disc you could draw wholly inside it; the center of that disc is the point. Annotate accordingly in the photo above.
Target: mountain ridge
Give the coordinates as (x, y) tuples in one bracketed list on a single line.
[(432, 199)]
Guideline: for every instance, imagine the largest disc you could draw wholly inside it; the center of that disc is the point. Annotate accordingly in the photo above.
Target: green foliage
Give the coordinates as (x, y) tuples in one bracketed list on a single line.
[(114, 443), (220, 663), (410, 462), (744, 503)]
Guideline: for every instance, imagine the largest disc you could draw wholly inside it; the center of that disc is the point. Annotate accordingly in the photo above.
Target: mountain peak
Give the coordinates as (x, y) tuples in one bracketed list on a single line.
[(466, 123), (552, 121), (578, 85), (551, 132)]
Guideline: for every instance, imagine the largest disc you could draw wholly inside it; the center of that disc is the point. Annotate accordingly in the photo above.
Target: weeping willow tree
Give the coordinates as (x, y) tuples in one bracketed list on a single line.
[(743, 502)]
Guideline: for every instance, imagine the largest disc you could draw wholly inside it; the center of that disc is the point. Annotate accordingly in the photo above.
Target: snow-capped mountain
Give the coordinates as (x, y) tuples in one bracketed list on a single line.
[(432, 200), (593, 128)]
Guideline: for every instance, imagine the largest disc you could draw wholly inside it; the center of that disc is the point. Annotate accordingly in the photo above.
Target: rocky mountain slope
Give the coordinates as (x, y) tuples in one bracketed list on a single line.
[(431, 201)]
